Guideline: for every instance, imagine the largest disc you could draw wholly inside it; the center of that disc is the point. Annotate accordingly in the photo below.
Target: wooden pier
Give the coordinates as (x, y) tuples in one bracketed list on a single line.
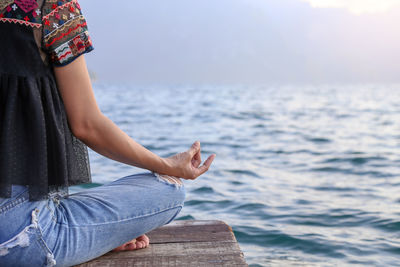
[(181, 243)]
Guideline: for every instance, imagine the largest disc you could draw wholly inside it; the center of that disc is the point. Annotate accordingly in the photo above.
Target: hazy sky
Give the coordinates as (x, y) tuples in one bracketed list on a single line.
[(245, 41)]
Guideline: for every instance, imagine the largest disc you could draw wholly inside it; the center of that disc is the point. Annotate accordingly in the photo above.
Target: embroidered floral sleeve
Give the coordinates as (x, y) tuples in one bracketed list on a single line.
[(65, 32), (24, 12)]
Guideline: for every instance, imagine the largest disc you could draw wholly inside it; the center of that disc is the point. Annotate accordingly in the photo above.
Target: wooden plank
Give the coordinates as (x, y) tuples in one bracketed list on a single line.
[(192, 231), (179, 249), (176, 254), (181, 243), (169, 261)]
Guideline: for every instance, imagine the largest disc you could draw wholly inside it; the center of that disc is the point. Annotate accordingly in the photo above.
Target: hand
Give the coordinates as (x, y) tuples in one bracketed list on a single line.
[(186, 164)]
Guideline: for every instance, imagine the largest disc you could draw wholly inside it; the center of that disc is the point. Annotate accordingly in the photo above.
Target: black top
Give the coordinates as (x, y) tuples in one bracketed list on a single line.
[(37, 147)]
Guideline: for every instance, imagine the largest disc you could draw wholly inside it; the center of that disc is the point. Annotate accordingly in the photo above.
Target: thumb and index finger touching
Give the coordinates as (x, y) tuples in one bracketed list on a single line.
[(194, 149), (194, 152)]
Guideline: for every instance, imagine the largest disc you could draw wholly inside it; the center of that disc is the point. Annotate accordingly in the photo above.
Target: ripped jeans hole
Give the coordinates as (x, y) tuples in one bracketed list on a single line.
[(21, 239), (56, 200), (50, 260), (169, 179)]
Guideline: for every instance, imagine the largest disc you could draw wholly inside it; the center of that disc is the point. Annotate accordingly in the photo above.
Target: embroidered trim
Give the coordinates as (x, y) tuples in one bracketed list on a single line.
[(24, 12), (64, 28), (68, 23), (27, 5), (71, 49), (61, 7), (65, 55), (71, 57), (62, 48), (27, 23), (67, 33), (5, 3)]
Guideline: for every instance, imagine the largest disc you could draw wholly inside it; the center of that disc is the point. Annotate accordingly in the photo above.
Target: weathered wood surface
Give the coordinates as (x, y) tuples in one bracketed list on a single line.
[(181, 243)]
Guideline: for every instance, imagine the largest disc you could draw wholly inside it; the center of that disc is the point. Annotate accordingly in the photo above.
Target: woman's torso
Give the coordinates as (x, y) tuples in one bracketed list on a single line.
[(37, 147)]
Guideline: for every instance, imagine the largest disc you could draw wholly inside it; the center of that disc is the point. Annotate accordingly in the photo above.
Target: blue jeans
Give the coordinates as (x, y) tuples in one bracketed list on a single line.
[(68, 230)]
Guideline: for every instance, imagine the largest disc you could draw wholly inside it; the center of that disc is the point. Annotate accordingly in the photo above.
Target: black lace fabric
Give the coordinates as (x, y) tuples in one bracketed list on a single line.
[(37, 147)]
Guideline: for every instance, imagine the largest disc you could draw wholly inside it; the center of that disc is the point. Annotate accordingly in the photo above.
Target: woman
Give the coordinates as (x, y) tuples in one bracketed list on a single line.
[(48, 114)]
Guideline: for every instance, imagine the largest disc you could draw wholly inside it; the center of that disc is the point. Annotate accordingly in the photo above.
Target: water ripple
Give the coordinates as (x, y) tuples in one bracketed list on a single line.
[(306, 176)]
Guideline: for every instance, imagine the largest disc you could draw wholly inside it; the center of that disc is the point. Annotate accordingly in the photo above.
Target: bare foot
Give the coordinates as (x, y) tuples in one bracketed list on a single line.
[(140, 242)]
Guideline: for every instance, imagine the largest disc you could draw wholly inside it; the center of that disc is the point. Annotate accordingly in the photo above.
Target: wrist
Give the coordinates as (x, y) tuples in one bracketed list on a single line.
[(165, 166)]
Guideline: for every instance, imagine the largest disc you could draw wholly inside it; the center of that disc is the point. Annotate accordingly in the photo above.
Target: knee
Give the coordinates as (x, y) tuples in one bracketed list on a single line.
[(174, 188)]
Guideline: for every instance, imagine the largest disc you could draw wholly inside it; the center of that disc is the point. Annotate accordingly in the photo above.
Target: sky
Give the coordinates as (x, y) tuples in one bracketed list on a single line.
[(244, 41)]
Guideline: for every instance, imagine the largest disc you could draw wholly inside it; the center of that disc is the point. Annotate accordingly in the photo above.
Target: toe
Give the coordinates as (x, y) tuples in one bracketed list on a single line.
[(144, 239), (140, 245), (131, 246)]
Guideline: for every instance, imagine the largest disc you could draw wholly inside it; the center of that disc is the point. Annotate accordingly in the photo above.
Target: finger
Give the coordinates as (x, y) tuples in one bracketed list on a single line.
[(206, 165), (196, 160), (194, 149)]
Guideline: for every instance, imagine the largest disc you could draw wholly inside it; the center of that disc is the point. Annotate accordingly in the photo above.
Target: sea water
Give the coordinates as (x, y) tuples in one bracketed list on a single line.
[(306, 175)]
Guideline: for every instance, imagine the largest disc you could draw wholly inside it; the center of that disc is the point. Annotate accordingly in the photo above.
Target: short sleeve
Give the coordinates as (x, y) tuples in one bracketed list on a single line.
[(65, 31)]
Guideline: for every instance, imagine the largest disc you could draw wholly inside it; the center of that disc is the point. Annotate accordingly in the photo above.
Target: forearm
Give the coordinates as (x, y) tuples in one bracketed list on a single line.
[(107, 139)]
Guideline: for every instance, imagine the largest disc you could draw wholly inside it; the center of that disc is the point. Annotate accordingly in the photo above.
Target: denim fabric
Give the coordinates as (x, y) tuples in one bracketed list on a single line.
[(64, 231)]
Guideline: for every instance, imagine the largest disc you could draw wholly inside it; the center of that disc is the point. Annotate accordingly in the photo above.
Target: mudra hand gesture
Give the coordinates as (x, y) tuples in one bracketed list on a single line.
[(186, 164)]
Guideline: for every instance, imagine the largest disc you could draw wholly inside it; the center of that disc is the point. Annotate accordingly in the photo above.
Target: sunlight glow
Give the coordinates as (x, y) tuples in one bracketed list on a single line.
[(357, 7)]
